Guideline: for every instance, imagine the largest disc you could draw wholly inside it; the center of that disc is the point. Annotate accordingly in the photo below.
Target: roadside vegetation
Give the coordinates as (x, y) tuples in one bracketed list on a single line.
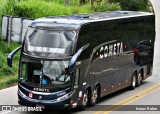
[(42, 8), (8, 76)]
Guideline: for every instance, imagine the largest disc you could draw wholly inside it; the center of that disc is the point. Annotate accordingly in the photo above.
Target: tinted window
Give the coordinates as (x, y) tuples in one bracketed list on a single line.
[(45, 42), (129, 31)]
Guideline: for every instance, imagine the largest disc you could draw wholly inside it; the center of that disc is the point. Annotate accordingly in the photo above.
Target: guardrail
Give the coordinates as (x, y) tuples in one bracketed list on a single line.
[(13, 28)]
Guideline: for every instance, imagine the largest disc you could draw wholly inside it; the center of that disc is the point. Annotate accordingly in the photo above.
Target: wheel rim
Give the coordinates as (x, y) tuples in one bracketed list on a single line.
[(139, 78), (134, 81), (85, 99), (94, 97)]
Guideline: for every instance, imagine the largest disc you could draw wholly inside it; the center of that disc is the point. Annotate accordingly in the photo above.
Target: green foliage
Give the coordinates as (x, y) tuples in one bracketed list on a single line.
[(7, 6), (84, 9), (41, 8), (133, 5), (8, 81), (71, 2), (104, 5), (4, 51), (8, 76)]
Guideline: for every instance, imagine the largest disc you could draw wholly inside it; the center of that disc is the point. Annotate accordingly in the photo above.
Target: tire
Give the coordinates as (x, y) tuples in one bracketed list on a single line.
[(133, 81), (84, 101), (94, 97), (139, 79)]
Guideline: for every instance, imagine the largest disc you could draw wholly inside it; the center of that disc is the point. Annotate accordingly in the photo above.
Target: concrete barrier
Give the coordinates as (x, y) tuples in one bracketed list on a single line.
[(14, 28)]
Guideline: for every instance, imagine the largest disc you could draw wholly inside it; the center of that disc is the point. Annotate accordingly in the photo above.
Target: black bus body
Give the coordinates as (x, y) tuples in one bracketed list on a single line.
[(73, 61)]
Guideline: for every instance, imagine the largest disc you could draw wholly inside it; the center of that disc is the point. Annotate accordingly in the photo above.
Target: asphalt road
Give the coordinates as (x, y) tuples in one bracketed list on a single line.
[(132, 100)]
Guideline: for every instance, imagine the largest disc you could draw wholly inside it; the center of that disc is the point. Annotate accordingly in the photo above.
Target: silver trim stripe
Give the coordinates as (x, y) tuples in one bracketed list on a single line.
[(42, 93)]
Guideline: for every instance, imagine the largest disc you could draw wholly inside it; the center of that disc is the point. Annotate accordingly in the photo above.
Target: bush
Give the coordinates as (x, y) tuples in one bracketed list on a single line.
[(104, 5), (40, 8), (71, 2), (133, 5), (7, 7), (43, 8)]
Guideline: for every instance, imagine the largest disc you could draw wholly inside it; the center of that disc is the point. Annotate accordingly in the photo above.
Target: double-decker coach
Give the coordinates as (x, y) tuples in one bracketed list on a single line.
[(73, 61)]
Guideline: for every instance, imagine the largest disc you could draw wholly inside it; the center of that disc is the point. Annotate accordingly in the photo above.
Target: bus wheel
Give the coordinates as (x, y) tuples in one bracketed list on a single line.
[(139, 79), (84, 101), (133, 81), (95, 96)]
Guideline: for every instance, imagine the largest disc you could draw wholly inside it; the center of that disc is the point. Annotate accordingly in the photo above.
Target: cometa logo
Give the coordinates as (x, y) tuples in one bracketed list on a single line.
[(110, 50), (41, 89)]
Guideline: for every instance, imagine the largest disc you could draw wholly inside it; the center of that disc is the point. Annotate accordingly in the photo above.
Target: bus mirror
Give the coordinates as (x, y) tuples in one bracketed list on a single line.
[(75, 57), (10, 56), (73, 60)]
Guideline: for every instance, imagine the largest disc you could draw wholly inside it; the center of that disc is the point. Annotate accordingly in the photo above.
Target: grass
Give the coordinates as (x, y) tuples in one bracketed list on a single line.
[(43, 8), (8, 81), (8, 76), (35, 9)]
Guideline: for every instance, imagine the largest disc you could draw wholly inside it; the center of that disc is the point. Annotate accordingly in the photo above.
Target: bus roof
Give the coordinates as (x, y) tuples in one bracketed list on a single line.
[(77, 20)]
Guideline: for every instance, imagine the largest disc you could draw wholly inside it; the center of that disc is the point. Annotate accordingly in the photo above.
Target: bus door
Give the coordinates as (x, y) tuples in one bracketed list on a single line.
[(77, 85), (77, 70)]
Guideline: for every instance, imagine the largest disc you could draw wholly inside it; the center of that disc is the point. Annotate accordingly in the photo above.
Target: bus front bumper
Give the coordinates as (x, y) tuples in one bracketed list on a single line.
[(45, 104)]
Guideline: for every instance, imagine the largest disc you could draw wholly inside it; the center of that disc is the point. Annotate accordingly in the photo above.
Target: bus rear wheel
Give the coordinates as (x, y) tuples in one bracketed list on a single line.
[(139, 79), (95, 96), (133, 81)]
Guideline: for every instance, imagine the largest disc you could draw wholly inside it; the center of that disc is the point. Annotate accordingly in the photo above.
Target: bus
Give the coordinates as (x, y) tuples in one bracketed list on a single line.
[(74, 60)]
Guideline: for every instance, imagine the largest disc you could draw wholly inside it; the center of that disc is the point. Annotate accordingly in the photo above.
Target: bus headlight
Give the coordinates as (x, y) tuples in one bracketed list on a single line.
[(64, 97)]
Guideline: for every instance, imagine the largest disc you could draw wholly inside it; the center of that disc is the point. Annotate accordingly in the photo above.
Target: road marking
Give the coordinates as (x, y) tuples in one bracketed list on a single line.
[(129, 100)]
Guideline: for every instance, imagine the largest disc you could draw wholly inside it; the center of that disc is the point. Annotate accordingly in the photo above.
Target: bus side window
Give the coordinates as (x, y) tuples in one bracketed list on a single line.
[(77, 73)]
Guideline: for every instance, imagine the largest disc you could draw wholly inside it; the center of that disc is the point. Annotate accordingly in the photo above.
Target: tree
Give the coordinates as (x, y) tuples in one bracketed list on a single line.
[(92, 4)]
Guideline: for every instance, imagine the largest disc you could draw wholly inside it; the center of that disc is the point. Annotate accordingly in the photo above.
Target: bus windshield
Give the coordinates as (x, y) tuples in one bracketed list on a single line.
[(44, 73), (49, 42)]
